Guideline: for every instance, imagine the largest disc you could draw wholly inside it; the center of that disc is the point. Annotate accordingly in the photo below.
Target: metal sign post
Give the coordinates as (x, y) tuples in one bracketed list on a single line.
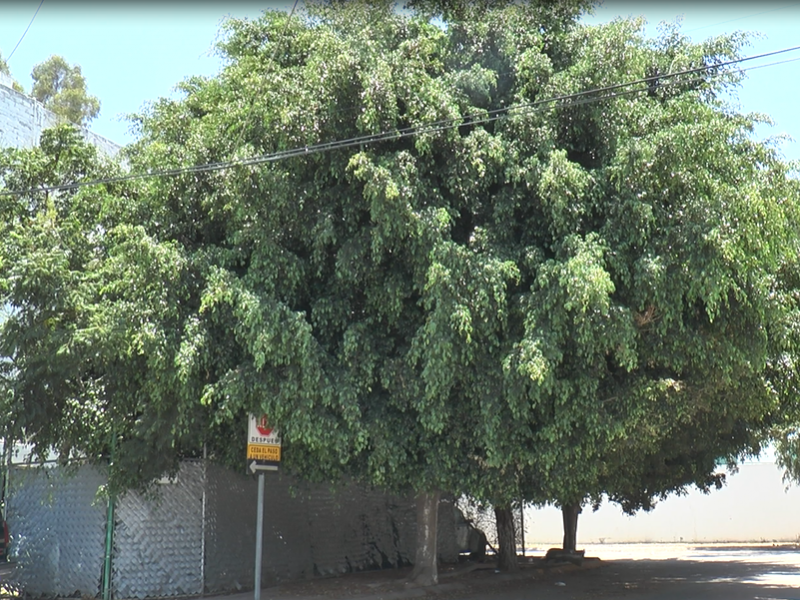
[(263, 454), (259, 535)]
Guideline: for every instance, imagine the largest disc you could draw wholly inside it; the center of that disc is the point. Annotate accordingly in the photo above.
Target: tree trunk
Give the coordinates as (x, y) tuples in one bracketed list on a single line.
[(506, 539), (425, 572), (569, 513)]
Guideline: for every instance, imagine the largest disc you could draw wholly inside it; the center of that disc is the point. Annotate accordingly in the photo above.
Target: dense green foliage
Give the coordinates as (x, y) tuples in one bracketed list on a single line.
[(558, 302), (788, 454), (70, 339), (61, 87)]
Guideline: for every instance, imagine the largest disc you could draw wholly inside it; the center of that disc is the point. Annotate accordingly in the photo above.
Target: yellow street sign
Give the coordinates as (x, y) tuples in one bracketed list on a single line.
[(263, 452)]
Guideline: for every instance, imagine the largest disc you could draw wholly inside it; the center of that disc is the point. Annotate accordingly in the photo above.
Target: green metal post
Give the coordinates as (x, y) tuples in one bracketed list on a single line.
[(109, 527), (109, 549), (6, 467)]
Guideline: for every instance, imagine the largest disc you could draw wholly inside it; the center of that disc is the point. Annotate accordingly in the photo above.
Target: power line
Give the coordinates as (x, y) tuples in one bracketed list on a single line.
[(432, 127), (567, 100), (26, 31)]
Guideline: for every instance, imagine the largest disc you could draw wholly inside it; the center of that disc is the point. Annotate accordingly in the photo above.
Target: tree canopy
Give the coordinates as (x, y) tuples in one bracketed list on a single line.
[(61, 87), (482, 291)]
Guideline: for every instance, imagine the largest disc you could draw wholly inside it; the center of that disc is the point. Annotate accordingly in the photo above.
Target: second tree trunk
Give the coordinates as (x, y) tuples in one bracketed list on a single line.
[(506, 539), (425, 571), (569, 513)]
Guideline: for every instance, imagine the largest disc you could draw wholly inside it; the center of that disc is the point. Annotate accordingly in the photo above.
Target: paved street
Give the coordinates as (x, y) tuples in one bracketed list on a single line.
[(629, 571), (626, 571), (656, 572)]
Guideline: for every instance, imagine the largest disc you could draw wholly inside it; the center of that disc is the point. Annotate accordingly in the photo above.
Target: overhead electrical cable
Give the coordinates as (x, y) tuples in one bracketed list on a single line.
[(26, 31), (609, 92)]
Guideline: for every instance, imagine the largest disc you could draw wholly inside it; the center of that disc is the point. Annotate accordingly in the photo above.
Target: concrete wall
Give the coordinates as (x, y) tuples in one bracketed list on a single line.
[(22, 120), (6, 80), (754, 506)]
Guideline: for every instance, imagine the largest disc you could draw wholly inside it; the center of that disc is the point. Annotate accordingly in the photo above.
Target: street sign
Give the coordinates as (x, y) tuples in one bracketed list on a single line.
[(254, 467), (263, 454), (263, 445)]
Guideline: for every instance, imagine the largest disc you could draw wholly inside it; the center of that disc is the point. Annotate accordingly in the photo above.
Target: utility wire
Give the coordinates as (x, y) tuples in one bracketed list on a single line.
[(26, 31), (580, 98), (610, 92)]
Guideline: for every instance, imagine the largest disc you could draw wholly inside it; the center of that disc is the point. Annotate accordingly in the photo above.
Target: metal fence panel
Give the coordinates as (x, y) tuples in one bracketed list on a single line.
[(334, 516), (446, 531), (287, 537), (230, 530), (309, 530), (229, 526), (197, 535), (158, 541), (403, 519), (58, 530)]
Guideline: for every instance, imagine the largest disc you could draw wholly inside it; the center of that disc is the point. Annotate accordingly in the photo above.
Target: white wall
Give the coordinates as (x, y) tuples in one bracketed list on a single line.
[(754, 506), (22, 120), (6, 80)]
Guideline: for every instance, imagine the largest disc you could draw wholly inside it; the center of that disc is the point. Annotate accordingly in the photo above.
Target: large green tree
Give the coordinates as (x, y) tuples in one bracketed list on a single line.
[(702, 365), (61, 87), (522, 299), (657, 338)]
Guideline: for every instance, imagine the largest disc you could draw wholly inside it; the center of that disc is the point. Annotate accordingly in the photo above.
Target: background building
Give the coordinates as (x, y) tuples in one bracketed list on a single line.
[(23, 118)]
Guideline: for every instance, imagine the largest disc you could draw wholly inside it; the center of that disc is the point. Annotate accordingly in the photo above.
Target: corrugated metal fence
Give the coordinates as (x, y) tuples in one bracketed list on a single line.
[(197, 535)]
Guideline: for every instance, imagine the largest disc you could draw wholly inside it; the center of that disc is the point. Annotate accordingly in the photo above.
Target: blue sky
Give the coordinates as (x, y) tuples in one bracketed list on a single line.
[(131, 52)]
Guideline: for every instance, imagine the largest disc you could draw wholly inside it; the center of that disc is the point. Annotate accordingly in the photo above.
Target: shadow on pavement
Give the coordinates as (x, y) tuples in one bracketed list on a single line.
[(719, 577), (729, 575)]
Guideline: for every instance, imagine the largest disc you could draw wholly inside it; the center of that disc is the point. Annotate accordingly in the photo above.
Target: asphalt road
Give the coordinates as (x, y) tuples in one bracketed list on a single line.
[(685, 573), (627, 571)]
